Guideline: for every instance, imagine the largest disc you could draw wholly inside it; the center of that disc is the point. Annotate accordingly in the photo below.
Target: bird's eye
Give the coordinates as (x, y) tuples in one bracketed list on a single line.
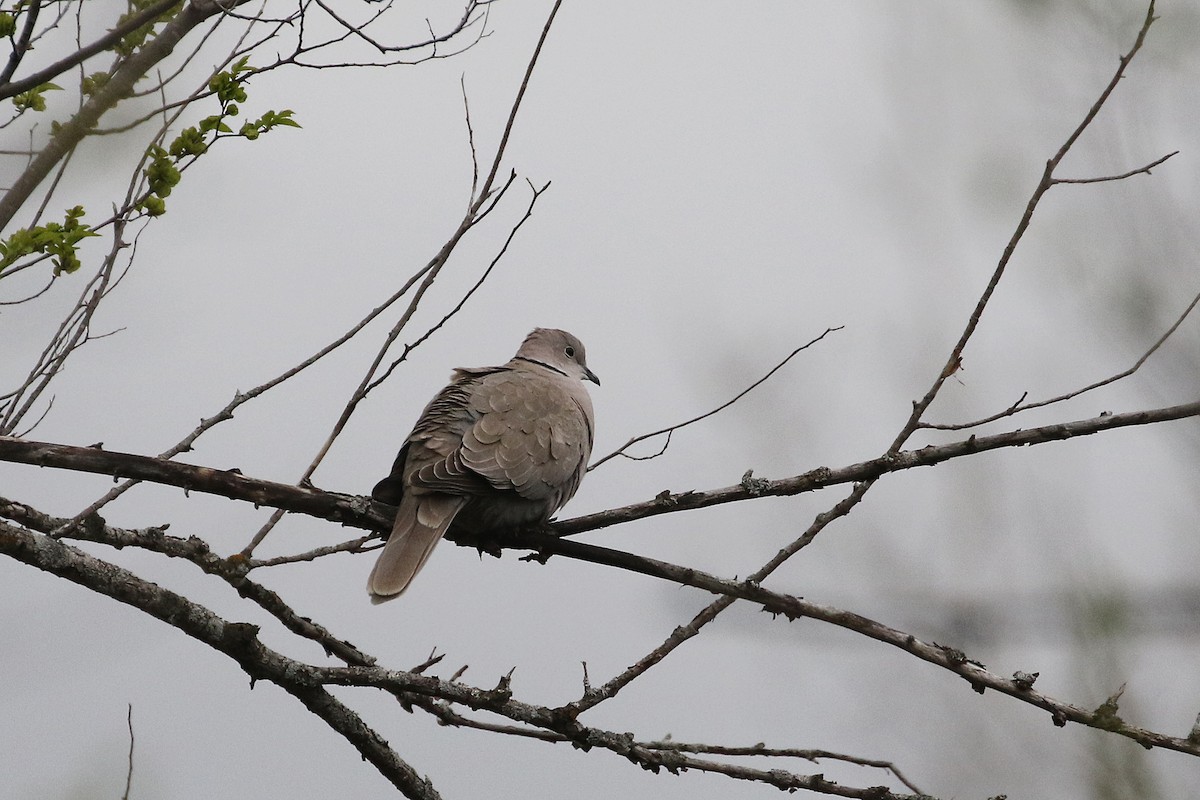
[(570, 351)]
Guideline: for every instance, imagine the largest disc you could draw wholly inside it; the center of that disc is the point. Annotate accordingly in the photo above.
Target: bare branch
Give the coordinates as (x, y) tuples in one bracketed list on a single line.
[(359, 545), (1047, 181), (430, 273), (710, 612), (408, 348), (1139, 171), (502, 148), (362, 513), (781, 752), (671, 429), (462, 82), (1020, 405), (129, 772), (195, 550), (238, 641)]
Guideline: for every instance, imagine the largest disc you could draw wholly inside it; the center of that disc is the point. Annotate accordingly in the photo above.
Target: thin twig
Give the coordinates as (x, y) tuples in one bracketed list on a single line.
[(353, 546), (408, 348), (782, 752), (671, 429), (462, 82), (1139, 171), (129, 772), (1020, 405), (430, 272)]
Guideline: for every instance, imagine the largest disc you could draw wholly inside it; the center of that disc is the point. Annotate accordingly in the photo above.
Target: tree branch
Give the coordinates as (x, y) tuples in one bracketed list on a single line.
[(1106, 178), (361, 512), (237, 640), (1021, 405), (672, 428), (430, 273), (135, 21), (21, 46), (954, 362), (307, 683), (118, 87)]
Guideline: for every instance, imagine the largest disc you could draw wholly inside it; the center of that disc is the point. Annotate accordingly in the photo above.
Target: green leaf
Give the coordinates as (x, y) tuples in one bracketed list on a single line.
[(59, 240), (94, 82), (154, 206)]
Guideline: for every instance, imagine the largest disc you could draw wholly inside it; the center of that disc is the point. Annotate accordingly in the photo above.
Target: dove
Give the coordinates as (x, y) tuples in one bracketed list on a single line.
[(498, 448)]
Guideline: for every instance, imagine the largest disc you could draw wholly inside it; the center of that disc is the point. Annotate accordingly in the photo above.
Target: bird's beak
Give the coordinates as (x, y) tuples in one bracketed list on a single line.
[(588, 375)]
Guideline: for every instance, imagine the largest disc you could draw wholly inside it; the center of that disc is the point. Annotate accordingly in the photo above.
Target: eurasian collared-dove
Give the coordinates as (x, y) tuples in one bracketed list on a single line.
[(500, 447)]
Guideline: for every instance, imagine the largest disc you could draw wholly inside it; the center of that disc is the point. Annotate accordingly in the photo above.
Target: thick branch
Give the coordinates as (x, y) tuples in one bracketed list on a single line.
[(238, 640), (307, 683), (227, 483), (361, 513), (106, 41), (21, 46)]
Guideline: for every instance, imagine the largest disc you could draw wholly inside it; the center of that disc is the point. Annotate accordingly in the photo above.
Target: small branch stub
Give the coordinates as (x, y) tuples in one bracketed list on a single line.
[(1024, 680)]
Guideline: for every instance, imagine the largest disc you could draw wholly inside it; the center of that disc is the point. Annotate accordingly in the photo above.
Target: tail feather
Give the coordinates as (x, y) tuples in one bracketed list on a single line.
[(420, 523)]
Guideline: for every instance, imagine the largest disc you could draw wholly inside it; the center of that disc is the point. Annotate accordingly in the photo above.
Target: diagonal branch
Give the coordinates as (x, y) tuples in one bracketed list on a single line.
[(919, 407), (135, 21), (118, 86), (21, 46), (1020, 405), (672, 428), (474, 214), (238, 640), (1044, 185), (308, 684), (198, 552)]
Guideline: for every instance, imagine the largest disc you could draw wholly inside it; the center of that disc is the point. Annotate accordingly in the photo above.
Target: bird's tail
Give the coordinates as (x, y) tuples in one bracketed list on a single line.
[(420, 522)]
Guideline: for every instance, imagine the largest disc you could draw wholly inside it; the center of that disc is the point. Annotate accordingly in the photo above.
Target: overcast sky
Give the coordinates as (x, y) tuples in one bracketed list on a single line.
[(727, 181)]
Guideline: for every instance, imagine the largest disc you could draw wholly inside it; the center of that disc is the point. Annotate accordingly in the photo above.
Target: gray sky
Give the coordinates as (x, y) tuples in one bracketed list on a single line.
[(727, 182)]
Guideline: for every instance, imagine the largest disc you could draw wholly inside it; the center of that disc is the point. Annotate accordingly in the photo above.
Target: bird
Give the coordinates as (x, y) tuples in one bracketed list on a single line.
[(498, 448)]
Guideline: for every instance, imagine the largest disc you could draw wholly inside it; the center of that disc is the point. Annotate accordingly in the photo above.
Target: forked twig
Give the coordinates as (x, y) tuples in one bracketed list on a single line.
[(1021, 405), (669, 431), (408, 348)]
